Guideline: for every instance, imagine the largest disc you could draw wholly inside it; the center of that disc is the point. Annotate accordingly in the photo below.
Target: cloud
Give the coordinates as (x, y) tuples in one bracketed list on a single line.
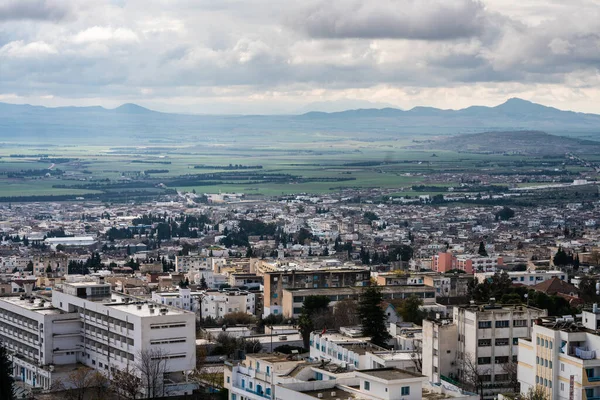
[(261, 53), (392, 19), (105, 34), (49, 10)]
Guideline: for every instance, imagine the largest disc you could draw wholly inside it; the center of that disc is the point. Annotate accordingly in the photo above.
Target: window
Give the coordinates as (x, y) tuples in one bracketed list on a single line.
[(562, 387), (550, 384), (537, 340), (546, 343), (501, 377), (367, 385), (405, 391), (228, 379), (520, 323), (484, 342), (501, 359), (562, 367), (537, 379), (484, 360), (515, 341), (551, 345), (502, 324), (502, 342), (485, 324)]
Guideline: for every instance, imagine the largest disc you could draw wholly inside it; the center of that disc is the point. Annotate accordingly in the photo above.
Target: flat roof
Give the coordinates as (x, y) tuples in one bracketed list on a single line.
[(390, 374), (47, 309)]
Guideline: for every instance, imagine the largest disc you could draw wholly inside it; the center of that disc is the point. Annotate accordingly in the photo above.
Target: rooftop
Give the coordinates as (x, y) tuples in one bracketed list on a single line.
[(33, 304), (390, 374)]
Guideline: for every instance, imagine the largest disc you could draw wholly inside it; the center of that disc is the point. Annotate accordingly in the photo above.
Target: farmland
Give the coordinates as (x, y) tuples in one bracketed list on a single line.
[(126, 172)]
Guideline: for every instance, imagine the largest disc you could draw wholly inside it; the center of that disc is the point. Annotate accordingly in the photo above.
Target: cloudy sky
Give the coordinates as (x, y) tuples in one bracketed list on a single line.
[(273, 56)]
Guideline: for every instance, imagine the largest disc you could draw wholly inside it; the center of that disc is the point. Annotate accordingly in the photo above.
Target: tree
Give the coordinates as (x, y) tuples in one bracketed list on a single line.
[(473, 376), (401, 253), (505, 214), (152, 365), (536, 393), (561, 258), (81, 380), (238, 318), (587, 289), (416, 355), (410, 310), (510, 369), (482, 251), (126, 383), (344, 313), (370, 216), (29, 267), (6, 379), (372, 316), (203, 284), (311, 307)]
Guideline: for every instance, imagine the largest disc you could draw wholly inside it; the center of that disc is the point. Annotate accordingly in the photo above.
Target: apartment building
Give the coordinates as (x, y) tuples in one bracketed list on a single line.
[(257, 376), (370, 384), (39, 338), (280, 274), (218, 304), (526, 278), (293, 299), (183, 298), (481, 336), (470, 263), (562, 357), (87, 324)]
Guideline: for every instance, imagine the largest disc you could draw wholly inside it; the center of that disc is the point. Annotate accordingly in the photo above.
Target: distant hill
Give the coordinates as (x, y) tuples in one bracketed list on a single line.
[(134, 123), (520, 142)]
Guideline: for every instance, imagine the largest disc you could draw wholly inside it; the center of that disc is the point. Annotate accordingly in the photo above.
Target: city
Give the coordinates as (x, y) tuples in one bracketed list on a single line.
[(299, 200)]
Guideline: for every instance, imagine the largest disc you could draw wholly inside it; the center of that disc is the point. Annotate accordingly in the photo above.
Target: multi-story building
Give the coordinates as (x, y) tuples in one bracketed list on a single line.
[(483, 340), (257, 376), (292, 299), (87, 324), (183, 298), (370, 384), (39, 337), (281, 274), (470, 263), (562, 357), (527, 278), (218, 304)]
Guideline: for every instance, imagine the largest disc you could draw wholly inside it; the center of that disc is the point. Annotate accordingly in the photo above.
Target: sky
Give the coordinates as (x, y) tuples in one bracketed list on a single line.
[(282, 56)]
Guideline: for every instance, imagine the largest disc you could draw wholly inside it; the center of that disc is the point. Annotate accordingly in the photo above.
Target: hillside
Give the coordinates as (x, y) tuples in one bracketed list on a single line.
[(520, 142)]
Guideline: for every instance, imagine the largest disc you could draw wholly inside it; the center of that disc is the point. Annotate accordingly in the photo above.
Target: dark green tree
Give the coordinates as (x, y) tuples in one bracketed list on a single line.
[(6, 380), (410, 310), (203, 284), (561, 258), (482, 251), (311, 307), (372, 316), (505, 214)]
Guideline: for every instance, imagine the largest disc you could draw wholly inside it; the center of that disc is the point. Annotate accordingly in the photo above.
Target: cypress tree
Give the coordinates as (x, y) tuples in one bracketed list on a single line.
[(372, 316), (6, 379)]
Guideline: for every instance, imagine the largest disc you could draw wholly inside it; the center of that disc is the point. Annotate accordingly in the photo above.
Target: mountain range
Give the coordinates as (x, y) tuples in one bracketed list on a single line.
[(131, 122)]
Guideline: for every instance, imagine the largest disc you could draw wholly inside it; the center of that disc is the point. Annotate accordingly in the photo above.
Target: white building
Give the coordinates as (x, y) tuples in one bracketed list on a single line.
[(218, 304), (183, 298), (370, 384), (483, 336), (87, 324), (527, 278), (561, 355)]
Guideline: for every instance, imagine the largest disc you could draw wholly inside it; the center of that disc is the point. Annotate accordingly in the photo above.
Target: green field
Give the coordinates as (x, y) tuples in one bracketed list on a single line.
[(287, 168)]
